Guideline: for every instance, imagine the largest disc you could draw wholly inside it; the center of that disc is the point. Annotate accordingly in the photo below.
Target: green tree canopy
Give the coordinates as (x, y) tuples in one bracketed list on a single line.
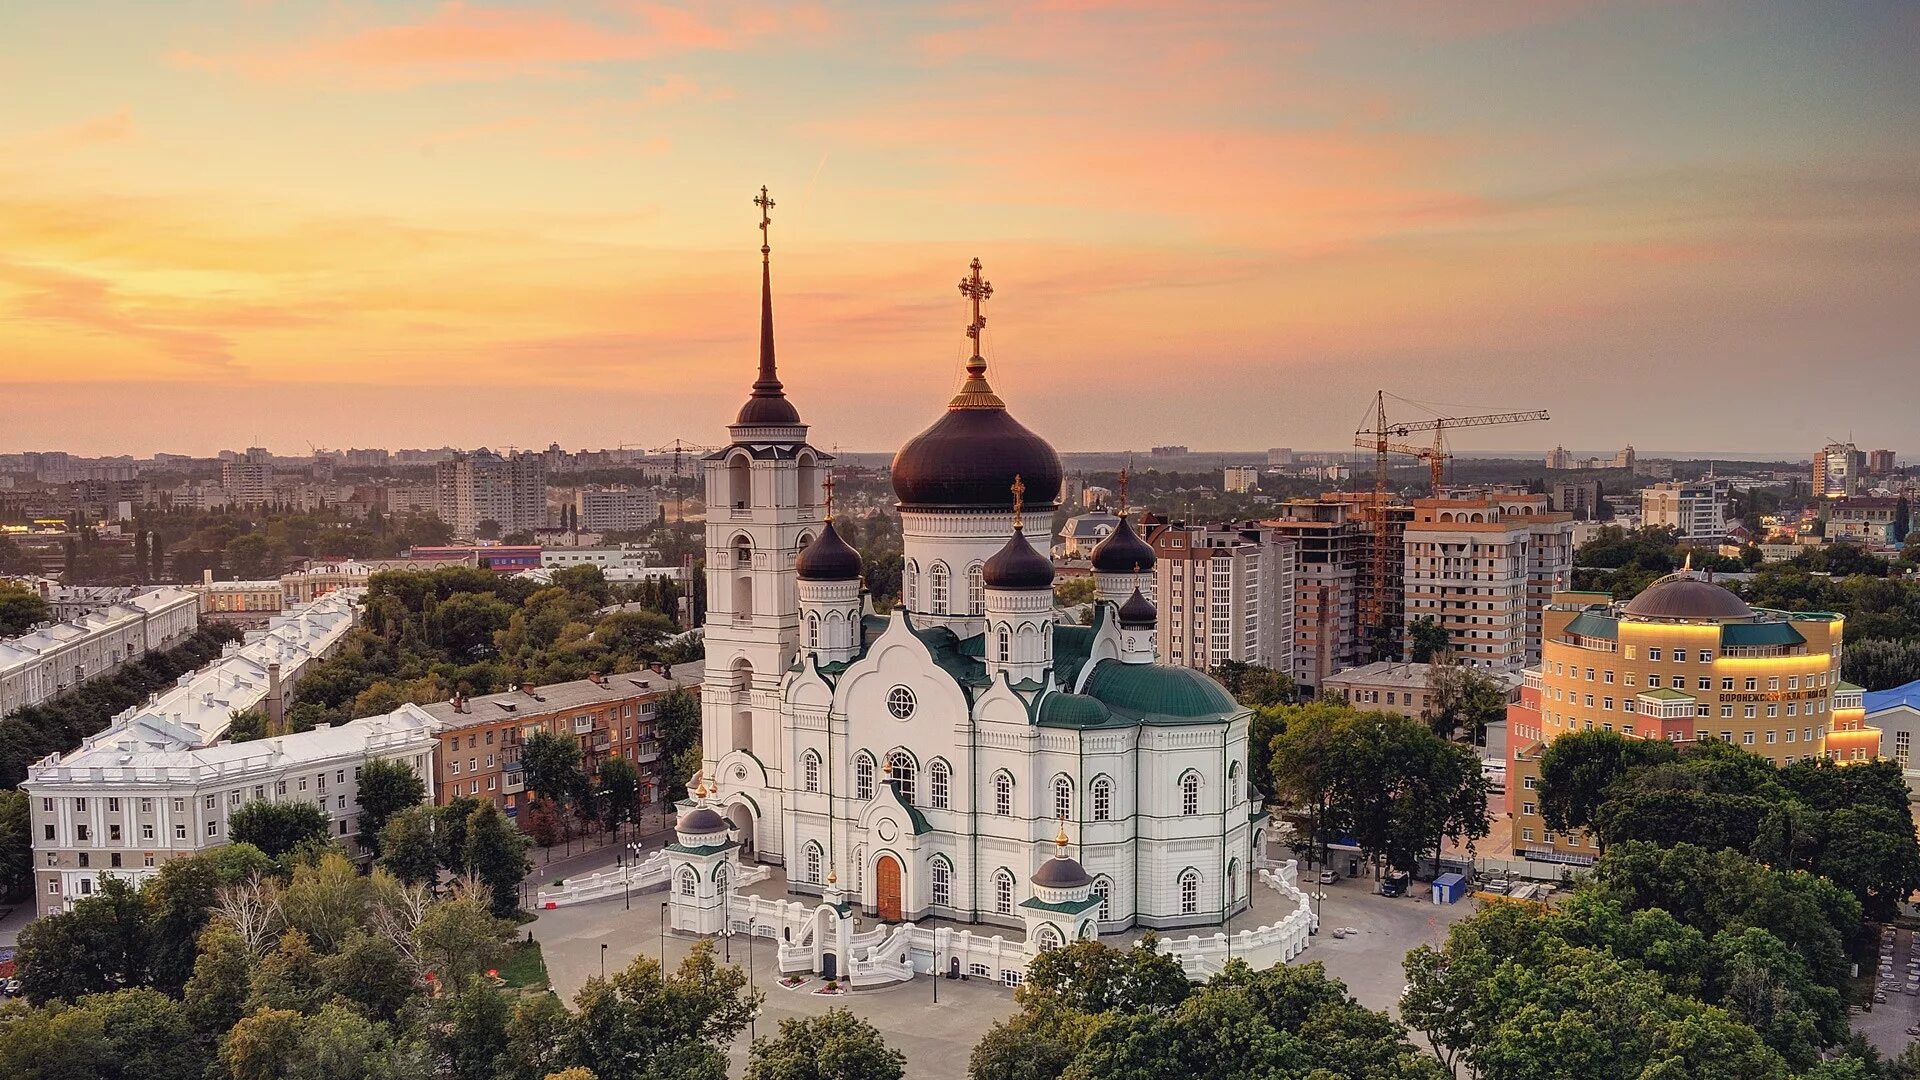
[(277, 828)]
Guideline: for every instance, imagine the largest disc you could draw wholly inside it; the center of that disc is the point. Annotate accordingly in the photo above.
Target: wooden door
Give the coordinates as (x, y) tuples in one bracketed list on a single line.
[(886, 888)]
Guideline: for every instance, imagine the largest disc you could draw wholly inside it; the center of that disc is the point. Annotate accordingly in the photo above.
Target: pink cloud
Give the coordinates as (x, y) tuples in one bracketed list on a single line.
[(462, 42)]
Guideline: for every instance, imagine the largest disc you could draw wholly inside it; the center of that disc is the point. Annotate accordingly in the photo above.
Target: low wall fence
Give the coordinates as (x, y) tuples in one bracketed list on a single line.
[(649, 873)]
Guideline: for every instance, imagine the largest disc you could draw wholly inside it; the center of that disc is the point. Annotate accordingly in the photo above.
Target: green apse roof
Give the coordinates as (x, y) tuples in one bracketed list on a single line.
[(1761, 633), (1666, 694), (1587, 624), (1154, 692), (1073, 711)]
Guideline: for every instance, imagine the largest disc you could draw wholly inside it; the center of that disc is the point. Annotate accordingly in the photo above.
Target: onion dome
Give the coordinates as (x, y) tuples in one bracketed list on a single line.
[(1122, 552), (828, 558), (699, 821), (1683, 596), (1138, 613), (1061, 871), (1017, 565)]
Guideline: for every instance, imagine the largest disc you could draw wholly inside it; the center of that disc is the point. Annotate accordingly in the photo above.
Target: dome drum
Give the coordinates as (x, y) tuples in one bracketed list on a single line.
[(1683, 596)]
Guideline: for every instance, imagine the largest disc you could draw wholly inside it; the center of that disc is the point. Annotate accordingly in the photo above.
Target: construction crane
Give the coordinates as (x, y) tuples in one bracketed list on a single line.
[(1380, 439), (679, 448)]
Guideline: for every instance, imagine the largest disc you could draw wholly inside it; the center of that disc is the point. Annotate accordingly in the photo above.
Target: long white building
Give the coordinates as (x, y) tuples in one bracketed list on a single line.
[(52, 659), (141, 793), (260, 671)]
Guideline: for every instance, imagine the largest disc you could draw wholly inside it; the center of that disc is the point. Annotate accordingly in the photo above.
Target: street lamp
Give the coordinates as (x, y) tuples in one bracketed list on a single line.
[(663, 937), (936, 965), (603, 961), (753, 986)]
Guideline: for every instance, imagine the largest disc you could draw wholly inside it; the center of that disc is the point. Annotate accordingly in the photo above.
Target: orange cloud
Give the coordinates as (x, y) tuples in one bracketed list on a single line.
[(110, 128), (461, 42)]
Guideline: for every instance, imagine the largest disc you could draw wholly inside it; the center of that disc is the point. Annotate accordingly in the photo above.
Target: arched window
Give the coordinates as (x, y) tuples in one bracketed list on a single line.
[(810, 771), (942, 875), (1002, 892), (863, 776), (739, 482), (809, 481), (912, 585), (812, 863), (1189, 891), (1103, 891), (1102, 799), (687, 882), (1003, 794), (904, 771), (1046, 938), (1003, 644), (742, 553), (1190, 794), (1233, 882), (1233, 783), (813, 631), (976, 591), (938, 777), (859, 865), (1023, 643), (1062, 798), (720, 879), (937, 587)]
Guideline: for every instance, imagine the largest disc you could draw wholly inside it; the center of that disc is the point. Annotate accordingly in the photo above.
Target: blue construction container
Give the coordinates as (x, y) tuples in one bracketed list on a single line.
[(1449, 888)]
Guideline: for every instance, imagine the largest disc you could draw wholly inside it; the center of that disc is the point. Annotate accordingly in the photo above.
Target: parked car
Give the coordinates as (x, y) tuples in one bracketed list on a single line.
[(1328, 877), (1396, 883)]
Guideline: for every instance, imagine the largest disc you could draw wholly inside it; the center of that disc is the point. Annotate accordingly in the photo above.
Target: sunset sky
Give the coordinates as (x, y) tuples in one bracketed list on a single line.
[(232, 222)]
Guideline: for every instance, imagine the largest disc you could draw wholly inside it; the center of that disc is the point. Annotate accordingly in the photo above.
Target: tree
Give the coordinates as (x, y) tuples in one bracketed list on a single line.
[(387, 786), (1253, 684), (1427, 640), (836, 1046), (1881, 665), (1579, 768), (1089, 977), (1021, 1049), (677, 721), (100, 946), (264, 1046), (216, 994), (327, 900), (137, 1034), (496, 854), (1464, 698), (552, 765), (288, 977), (409, 846), (620, 788), (1072, 592), (468, 1030), (277, 828), (20, 609), (676, 1024), (370, 974), (460, 937), (16, 843), (181, 898)]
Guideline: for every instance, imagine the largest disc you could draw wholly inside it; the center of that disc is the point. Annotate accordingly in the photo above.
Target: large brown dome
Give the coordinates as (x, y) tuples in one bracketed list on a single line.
[(968, 460), (1683, 596)]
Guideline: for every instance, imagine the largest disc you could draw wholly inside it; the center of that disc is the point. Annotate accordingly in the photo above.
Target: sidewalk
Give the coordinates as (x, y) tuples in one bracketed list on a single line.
[(594, 852)]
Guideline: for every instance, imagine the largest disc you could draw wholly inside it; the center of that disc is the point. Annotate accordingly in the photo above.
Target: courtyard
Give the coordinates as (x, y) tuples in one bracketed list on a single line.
[(936, 1037)]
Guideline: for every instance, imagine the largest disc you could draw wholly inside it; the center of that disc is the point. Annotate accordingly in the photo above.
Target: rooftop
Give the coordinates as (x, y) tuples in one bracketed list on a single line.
[(559, 697)]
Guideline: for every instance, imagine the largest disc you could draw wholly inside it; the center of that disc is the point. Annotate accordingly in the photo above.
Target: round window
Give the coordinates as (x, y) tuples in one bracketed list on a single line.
[(900, 702)]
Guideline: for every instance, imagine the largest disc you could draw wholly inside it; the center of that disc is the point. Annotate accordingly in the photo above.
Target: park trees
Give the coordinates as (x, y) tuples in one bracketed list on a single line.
[(836, 1046), (386, 787), (1427, 640), (1462, 698), (619, 789), (1579, 768), (277, 827)]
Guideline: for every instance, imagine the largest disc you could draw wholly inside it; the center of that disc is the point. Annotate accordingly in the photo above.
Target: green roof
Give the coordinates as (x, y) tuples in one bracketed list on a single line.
[(1071, 647), (1069, 907), (1073, 711), (1587, 624), (921, 827), (1156, 693), (1665, 694), (1760, 633), (710, 849), (1843, 686), (952, 655)]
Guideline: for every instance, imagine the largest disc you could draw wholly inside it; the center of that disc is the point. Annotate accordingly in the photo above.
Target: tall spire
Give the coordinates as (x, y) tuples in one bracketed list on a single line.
[(975, 393), (769, 404)]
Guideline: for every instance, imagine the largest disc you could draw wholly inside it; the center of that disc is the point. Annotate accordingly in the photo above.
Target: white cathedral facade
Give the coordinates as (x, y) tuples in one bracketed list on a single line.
[(927, 762)]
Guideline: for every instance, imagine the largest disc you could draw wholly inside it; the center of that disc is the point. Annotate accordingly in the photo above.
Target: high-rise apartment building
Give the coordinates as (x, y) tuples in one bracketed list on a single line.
[(1225, 592), (1279, 456), (1696, 509), (1483, 565), (601, 509), (1880, 462), (1580, 500), (1241, 479), (247, 483), (1685, 661), (510, 492), (1837, 468), (1557, 458), (1338, 583)]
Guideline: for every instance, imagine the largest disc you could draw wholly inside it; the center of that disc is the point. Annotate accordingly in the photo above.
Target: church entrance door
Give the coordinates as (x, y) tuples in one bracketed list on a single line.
[(886, 888)]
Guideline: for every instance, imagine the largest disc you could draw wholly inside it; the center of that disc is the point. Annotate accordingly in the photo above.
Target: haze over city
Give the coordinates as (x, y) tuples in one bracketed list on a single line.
[(416, 224)]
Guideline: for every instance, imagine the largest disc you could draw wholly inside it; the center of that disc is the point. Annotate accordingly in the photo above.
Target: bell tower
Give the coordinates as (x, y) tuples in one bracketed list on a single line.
[(763, 507)]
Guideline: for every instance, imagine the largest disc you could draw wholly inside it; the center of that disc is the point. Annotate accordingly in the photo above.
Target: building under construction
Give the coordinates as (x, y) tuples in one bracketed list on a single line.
[(1336, 583)]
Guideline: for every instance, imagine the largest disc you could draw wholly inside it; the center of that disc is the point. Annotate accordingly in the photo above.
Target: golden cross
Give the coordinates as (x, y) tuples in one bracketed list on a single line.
[(765, 204), (979, 292), (1123, 492), (1019, 490), (828, 485)]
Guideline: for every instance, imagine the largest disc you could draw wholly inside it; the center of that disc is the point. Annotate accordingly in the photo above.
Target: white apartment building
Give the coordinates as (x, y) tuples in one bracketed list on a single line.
[(1696, 509), (1484, 565), (602, 509), (1241, 479), (1224, 592), (41, 663), (482, 486), (260, 671), (248, 483), (141, 793)]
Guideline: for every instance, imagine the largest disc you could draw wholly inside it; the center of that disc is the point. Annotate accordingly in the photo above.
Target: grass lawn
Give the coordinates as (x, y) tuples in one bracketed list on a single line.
[(524, 967)]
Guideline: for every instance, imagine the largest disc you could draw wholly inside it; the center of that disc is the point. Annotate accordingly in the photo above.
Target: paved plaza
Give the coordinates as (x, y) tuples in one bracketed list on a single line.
[(936, 1038)]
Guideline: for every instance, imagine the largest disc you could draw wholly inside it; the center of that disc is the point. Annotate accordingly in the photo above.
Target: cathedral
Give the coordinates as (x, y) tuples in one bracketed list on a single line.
[(965, 756)]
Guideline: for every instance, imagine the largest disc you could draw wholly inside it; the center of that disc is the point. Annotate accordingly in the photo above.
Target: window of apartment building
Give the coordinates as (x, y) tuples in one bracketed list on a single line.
[(1589, 674), (302, 783), (1726, 684), (212, 801), (1703, 683), (453, 767), (1630, 652), (1527, 809), (147, 859), (1653, 654), (213, 828), (233, 798), (279, 787), (1790, 734), (1726, 736), (180, 831), (113, 831), (1653, 682), (1752, 683), (1607, 703), (1750, 712), (1606, 677), (1746, 738), (1526, 834), (1772, 710), (1530, 782), (1633, 679), (1773, 682), (1726, 712), (1793, 709), (1793, 682), (1771, 736), (146, 831), (113, 806), (79, 806)]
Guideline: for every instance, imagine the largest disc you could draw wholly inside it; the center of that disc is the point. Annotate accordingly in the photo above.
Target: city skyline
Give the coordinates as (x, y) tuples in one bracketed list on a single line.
[(466, 224)]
